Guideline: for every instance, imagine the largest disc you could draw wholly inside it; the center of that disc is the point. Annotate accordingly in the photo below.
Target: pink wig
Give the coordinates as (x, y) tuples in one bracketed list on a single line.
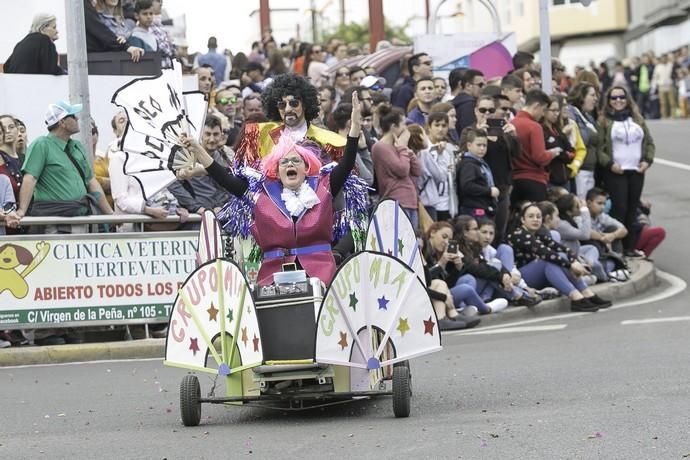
[(269, 165)]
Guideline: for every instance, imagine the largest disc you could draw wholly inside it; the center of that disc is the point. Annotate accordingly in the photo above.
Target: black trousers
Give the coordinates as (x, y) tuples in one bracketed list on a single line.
[(625, 191), (527, 190)]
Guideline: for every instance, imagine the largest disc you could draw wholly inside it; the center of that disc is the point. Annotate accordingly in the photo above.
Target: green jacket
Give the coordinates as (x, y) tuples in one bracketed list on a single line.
[(605, 156)]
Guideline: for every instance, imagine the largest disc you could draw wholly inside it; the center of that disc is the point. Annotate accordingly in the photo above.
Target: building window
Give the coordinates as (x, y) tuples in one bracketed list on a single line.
[(520, 9)]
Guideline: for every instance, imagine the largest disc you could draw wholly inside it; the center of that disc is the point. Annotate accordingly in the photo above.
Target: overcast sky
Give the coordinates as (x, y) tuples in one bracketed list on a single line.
[(229, 20)]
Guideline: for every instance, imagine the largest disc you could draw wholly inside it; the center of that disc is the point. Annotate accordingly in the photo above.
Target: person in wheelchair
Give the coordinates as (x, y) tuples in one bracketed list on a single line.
[(289, 210)]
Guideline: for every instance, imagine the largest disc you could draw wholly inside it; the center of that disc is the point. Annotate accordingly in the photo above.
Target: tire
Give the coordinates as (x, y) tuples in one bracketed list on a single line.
[(190, 400), (402, 390)]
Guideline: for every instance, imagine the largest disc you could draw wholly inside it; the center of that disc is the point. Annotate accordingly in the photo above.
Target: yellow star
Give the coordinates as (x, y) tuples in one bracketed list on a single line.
[(403, 327)]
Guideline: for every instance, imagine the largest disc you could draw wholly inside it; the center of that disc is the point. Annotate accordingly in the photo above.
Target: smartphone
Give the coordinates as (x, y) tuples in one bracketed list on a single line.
[(452, 247), (495, 126)]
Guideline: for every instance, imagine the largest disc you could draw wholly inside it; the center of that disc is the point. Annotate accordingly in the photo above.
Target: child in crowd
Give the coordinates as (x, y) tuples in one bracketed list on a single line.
[(503, 257), (477, 192), (649, 237), (607, 232), (575, 226), (541, 261), (142, 36), (443, 153)]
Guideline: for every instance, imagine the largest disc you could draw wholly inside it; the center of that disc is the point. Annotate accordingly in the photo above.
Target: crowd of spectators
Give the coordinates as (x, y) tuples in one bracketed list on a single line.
[(518, 195)]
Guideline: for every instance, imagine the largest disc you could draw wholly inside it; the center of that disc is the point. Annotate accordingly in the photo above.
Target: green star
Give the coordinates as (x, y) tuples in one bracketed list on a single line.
[(229, 315), (401, 246), (353, 301)]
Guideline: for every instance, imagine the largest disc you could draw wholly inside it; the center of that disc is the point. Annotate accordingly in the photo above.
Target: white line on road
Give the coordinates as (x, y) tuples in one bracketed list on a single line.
[(672, 164), (670, 319), (509, 330), (82, 363)]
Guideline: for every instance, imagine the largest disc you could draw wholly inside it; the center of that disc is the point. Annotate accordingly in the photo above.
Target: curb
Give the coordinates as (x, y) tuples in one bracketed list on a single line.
[(643, 278)]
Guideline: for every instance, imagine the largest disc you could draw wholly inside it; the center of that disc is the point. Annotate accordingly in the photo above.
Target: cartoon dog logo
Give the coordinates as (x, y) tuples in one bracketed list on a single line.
[(13, 256)]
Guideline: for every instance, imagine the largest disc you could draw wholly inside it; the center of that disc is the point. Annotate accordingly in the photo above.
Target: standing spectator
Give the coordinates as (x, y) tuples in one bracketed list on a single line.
[(228, 101), (256, 54), (530, 173), (557, 140), (627, 152), (165, 45), (276, 64), (395, 165), (357, 74), (6, 171), (419, 66), (314, 67), (21, 142), (432, 175), (327, 103), (643, 78), (57, 174), (477, 191), (253, 79), (443, 153), (425, 97), (214, 59), (142, 36), (471, 84), (252, 107), (36, 53), (8, 206), (342, 82), (100, 164), (582, 107), (440, 89), (8, 151), (511, 87), (206, 79), (341, 123), (448, 109), (662, 79), (523, 59)]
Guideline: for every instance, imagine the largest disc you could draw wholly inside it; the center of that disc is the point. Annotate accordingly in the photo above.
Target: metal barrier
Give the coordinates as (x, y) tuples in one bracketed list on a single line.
[(93, 279)]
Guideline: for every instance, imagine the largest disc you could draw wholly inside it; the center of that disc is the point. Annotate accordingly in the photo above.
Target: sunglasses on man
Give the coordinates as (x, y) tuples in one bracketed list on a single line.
[(227, 100), (486, 109), (294, 103)]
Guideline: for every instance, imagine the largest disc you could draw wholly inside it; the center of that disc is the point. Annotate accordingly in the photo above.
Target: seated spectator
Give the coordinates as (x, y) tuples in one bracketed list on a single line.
[(395, 165), (57, 174), (447, 266), (443, 153), (142, 36), (477, 191), (607, 232), (649, 237), (111, 14), (425, 98), (36, 53), (100, 39), (200, 193), (488, 280), (575, 226), (544, 262), (502, 256)]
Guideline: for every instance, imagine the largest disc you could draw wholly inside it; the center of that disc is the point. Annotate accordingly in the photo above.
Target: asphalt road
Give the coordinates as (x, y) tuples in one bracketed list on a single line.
[(574, 386)]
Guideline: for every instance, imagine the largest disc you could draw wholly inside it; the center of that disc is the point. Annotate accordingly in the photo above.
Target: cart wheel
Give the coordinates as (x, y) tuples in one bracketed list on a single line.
[(402, 389), (190, 404)]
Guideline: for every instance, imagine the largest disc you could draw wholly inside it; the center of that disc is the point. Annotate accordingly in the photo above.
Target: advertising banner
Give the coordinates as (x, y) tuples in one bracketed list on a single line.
[(94, 279)]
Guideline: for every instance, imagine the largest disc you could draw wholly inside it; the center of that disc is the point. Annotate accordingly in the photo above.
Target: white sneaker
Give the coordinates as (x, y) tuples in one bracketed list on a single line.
[(497, 305), (470, 310), (5, 344), (590, 280)]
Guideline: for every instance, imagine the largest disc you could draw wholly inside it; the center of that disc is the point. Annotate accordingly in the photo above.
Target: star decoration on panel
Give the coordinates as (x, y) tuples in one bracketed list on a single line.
[(372, 242), (403, 327), (244, 336), (429, 326), (212, 313), (383, 302), (194, 345), (353, 301), (229, 315), (255, 341), (343, 340), (401, 246)]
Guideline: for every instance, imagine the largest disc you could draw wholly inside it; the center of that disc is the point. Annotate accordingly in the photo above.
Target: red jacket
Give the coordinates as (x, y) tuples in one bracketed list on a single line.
[(533, 161)]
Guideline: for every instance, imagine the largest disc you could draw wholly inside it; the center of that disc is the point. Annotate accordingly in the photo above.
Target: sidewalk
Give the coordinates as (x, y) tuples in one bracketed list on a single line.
[(643, 278)]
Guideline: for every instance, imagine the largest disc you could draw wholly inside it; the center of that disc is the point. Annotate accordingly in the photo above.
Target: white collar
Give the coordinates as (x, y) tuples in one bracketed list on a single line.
[(296, 201)]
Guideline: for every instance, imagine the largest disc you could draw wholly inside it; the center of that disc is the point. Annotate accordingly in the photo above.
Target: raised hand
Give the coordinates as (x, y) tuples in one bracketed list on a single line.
[(355, 116)]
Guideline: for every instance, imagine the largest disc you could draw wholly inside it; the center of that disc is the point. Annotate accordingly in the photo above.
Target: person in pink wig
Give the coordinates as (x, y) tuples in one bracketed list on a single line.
[(289, 209)]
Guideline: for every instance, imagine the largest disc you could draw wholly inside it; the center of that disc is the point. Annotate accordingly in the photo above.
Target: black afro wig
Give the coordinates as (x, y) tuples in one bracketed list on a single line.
[(290, 85)]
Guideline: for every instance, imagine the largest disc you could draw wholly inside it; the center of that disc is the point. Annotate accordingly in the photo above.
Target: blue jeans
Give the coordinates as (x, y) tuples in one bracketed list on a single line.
[(540, 274), (465, 292)]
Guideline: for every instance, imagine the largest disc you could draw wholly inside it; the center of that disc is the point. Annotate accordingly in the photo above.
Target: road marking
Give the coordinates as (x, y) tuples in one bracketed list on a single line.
[(672, 164), (677, 286), (670, 319), (80, 363), (508, 330)]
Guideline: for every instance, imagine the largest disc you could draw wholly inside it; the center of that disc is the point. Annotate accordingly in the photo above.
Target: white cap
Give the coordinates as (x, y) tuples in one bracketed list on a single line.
[(371, 80), (60, 110)]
